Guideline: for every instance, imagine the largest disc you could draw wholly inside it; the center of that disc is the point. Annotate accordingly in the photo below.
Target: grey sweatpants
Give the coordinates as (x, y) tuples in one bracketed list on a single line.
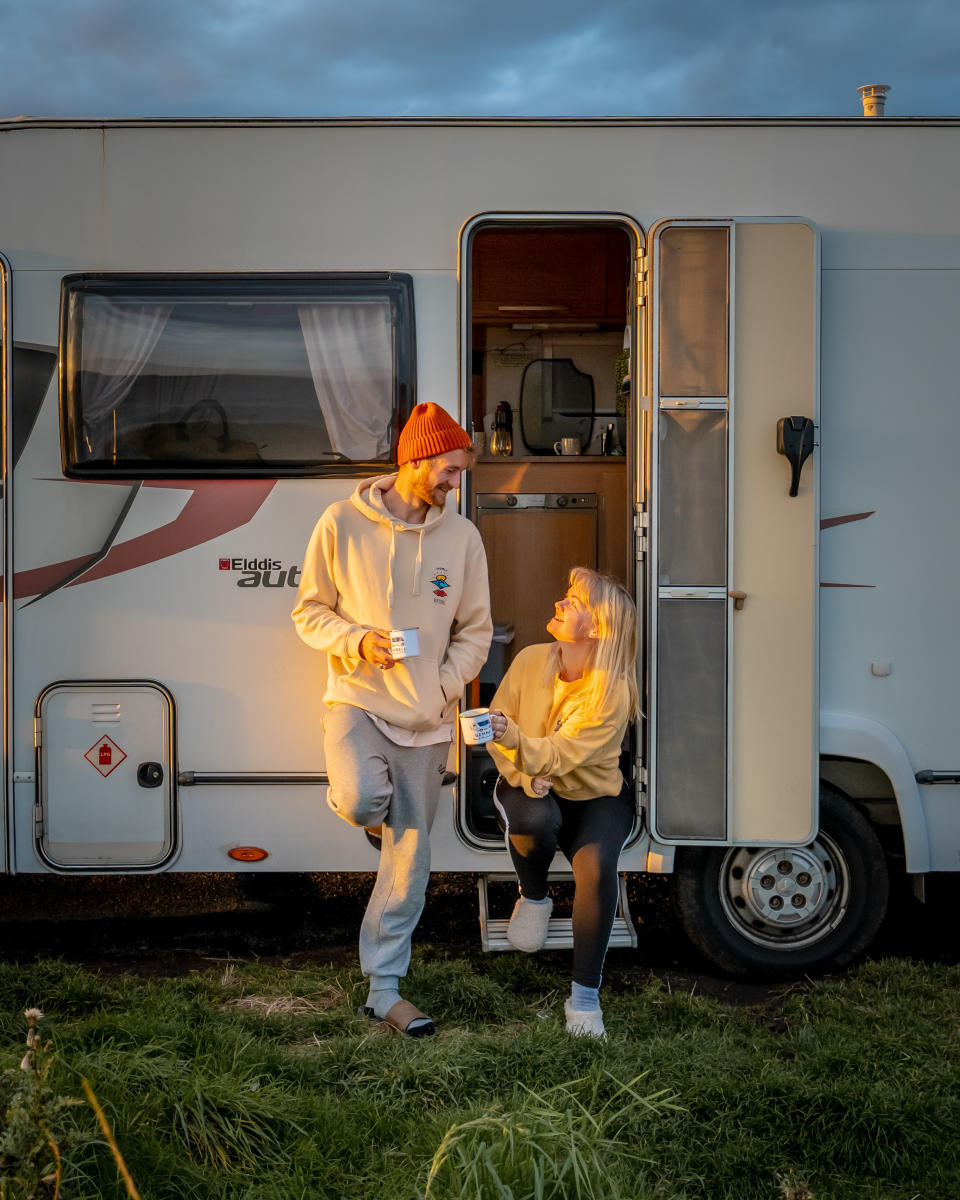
[(374, 781)]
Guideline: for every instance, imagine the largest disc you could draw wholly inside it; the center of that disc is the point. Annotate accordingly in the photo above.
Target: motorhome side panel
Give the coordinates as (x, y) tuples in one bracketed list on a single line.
[(889, 574), (382, 197)]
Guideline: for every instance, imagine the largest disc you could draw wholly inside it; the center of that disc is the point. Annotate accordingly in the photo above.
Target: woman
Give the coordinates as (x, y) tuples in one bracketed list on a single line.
[(559, 718)]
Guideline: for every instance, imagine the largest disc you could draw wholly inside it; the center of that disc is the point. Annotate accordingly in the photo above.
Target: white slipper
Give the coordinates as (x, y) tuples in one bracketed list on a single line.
[(529, 925), (584, 1024)]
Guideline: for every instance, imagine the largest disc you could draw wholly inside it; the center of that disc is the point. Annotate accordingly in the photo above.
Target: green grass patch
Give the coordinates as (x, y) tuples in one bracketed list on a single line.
[(256, 1082)]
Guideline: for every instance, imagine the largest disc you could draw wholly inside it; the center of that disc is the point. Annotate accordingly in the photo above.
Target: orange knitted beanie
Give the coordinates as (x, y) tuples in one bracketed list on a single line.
[(429, 431)]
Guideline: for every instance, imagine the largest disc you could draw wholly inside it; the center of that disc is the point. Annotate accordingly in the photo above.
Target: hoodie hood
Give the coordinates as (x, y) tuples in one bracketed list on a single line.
[(368, 499)]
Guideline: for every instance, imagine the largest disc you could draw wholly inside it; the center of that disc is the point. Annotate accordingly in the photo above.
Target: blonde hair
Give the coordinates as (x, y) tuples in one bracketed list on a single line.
[(615, 630)]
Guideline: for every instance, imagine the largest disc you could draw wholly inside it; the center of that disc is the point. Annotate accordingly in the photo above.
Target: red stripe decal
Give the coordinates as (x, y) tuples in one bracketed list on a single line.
[(216, 507), (32, 583), (829, 522)]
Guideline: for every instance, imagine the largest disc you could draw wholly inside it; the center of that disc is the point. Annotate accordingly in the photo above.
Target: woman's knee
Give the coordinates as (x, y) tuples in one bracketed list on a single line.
[(595, 865), (528, 817)]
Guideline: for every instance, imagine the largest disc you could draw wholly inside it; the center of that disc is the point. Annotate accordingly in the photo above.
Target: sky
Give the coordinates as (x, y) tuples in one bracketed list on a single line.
[(321, 58)]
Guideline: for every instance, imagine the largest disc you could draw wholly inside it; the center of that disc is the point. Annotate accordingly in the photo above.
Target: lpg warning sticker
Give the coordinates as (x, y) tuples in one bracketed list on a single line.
[(105, 755)]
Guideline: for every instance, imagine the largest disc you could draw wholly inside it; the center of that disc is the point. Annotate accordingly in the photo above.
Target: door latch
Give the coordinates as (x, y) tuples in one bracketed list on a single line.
[(795, 442)]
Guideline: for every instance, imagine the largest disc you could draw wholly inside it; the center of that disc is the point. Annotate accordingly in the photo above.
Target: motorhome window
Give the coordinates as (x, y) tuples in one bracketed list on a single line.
[(235, 374)]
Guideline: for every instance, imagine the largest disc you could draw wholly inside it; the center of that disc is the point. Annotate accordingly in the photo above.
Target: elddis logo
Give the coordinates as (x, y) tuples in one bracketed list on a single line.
[(262, 572)]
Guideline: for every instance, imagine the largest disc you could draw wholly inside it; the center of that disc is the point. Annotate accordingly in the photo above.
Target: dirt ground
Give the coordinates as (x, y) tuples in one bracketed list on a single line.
[(172, 924)]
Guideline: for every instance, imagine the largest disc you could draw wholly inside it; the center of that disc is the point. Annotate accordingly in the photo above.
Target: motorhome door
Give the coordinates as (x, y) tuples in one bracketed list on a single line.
[(6, 799), (732, 561)]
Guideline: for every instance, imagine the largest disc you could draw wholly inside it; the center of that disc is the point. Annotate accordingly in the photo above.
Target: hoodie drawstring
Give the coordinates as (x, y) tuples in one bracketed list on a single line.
[(418, 565), (393, 554)]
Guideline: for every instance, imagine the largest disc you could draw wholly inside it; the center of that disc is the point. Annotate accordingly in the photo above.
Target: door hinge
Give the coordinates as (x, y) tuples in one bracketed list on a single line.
[(641, 280), (640, 790), (37, 732), (38, 819), (640, 535)]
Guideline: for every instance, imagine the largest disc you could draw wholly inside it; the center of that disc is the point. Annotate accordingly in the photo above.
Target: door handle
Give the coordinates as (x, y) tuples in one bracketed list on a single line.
[(795, 442)]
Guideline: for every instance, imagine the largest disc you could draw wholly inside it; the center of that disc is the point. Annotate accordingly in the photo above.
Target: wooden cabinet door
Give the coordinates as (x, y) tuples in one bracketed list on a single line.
[(530, 554), (549, 274)]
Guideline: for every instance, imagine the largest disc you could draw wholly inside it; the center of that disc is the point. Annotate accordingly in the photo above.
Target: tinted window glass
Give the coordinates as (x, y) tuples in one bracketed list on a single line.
[(235, 375)]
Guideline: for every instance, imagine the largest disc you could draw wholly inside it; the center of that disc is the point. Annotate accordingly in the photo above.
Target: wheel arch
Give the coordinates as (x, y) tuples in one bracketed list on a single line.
[(844, 735)]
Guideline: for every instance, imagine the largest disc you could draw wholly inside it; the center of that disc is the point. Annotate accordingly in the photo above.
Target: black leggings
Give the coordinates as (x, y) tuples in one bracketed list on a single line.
[(591, 834)]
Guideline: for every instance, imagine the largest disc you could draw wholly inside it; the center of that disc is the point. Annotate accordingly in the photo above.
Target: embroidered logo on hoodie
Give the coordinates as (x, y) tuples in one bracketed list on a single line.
[(440, 582)]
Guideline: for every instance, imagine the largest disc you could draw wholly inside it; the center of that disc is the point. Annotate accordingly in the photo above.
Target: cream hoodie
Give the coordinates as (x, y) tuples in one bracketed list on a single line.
[(365, 569)]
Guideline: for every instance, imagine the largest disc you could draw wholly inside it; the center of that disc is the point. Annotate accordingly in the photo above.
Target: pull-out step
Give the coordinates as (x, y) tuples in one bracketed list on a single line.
[(493, 930)]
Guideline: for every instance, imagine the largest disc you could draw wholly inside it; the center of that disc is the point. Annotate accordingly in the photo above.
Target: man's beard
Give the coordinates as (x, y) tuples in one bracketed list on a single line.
[(436, 498)]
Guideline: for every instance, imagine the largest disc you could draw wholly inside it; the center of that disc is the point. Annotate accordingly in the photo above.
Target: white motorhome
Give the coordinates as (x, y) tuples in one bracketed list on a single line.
[(211, 329)]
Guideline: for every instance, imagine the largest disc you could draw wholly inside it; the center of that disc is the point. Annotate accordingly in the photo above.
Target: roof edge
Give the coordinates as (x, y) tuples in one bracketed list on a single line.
[(11, 124)]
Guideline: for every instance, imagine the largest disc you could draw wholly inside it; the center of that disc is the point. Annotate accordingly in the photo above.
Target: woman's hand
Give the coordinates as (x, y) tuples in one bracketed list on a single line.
[(498, 723), (541, 784)]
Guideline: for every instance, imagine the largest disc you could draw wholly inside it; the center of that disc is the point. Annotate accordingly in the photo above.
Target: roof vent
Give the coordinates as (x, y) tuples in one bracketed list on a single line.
[(874, 97)]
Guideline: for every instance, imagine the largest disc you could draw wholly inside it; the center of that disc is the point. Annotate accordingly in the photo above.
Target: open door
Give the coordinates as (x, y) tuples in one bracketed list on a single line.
[(732, 337), (549, 331), (6, 557)]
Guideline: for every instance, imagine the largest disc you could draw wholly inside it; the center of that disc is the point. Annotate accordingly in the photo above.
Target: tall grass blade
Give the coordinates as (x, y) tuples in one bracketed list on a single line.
[(111, 1141)]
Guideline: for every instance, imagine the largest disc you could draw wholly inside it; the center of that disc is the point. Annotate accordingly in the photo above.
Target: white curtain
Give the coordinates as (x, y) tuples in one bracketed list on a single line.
[(117, 341), (196, 360), (350, 348)]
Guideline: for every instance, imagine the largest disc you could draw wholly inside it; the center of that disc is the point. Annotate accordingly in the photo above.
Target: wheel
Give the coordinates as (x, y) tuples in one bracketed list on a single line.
[(779, 911)]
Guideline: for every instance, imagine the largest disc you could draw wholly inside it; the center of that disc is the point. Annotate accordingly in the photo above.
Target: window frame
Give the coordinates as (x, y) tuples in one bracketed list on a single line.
[(158, 286)]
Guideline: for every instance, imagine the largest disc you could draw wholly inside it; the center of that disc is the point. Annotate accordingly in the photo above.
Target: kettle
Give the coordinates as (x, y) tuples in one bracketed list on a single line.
[(501, 442)]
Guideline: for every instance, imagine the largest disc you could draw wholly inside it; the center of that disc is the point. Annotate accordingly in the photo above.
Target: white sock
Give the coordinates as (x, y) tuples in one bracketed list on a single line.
[(584, 999), (384, 994), (381, 1000), (527, 900)]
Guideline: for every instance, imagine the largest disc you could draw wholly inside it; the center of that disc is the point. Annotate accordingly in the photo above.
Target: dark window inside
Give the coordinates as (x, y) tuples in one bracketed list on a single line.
[(196, 375)]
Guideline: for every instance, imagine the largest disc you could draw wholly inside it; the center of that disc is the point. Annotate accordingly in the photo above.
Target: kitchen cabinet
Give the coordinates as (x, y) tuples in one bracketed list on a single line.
[(550, 275)]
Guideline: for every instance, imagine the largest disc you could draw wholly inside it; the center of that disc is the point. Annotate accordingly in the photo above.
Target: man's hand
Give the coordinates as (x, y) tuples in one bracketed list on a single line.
[(498, 723), (375, 648), (541, 784)]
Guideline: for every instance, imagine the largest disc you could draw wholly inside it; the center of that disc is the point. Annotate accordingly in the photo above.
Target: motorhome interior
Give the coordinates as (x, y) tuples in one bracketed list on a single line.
[(549, 323)]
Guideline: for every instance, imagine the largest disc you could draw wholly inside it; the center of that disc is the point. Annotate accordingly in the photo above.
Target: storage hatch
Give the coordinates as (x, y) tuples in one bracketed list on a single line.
[(106, 791)]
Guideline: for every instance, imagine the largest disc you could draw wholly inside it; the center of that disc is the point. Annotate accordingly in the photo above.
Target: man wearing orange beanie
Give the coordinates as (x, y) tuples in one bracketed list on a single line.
[(394, 556)]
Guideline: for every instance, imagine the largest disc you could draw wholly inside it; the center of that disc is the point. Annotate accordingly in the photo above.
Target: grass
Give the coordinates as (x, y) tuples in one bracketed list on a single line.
[(258, 1082)]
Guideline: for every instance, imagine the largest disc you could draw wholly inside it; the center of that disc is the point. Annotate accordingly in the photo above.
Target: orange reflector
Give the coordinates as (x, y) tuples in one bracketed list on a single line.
[(247, 853)]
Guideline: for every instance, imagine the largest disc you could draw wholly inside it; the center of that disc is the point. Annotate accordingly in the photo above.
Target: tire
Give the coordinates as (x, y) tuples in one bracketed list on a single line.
[(831, 899)]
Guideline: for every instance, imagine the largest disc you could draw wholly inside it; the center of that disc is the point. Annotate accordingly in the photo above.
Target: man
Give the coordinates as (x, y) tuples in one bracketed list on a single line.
[(394, 557)]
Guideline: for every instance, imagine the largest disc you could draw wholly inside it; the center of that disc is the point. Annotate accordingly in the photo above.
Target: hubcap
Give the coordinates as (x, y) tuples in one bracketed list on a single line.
[(785, 898)]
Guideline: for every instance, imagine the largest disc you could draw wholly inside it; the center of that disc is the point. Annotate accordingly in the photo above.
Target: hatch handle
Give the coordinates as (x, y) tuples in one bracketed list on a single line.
[(150, 774), (795, 442)]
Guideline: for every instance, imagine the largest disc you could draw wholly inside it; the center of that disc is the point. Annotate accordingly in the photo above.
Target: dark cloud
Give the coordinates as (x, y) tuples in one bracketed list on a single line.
[(530, 57)]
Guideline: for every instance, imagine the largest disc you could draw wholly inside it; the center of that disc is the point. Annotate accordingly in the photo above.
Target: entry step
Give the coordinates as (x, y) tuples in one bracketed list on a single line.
[(493, 930)]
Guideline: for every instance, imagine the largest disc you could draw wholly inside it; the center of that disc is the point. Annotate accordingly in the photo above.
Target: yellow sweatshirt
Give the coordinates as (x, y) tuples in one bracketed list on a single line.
[(365, 569), (551, 730)]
